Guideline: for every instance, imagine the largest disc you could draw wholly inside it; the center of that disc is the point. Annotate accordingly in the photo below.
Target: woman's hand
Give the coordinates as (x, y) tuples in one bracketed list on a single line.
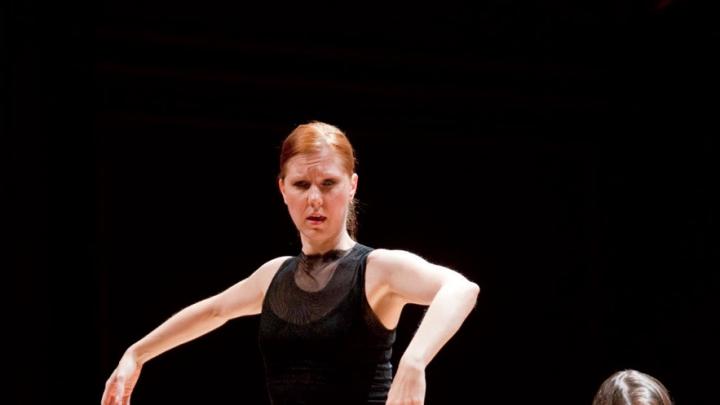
[(408, 386), (122, 381)]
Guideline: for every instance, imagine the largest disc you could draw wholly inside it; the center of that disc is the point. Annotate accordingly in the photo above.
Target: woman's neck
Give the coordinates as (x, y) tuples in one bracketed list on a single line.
[(341, 242)]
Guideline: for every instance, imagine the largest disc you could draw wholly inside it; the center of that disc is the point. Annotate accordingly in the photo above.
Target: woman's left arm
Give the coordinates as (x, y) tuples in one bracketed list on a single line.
[(450, 297)]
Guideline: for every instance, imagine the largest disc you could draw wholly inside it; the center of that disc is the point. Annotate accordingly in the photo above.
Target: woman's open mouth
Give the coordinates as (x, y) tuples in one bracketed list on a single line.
[(316, 219)]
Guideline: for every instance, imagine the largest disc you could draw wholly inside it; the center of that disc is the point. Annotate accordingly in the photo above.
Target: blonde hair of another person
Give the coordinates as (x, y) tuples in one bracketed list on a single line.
[(631, 387)]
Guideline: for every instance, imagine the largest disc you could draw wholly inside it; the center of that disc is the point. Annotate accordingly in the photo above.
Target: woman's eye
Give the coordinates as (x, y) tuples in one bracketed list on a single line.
[(301, 184), (328, 183)]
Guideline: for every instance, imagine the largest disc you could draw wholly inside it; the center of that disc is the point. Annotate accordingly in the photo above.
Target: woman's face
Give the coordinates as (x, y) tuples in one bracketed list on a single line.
[(317, 191)]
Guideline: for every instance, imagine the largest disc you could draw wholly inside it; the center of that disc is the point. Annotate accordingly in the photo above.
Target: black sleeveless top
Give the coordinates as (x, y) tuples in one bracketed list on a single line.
[(324, 346)]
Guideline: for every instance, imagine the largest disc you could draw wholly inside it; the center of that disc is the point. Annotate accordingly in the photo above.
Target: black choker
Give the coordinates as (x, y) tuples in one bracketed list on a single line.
[(328, 256)]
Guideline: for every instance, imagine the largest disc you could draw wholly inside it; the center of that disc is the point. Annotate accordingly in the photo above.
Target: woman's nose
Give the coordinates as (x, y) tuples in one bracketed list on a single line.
[(314, 197)]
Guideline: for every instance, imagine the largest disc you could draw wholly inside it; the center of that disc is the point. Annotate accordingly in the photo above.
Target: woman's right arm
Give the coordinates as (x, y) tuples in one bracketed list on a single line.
[(243, 298)]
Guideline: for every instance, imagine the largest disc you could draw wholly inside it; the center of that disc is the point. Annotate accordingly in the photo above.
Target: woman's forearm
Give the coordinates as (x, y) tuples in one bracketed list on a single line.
[(188, 324), (446, 313)]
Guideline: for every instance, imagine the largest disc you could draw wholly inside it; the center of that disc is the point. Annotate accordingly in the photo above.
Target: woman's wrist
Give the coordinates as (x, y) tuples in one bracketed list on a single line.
[(133, 353), (413, 362)]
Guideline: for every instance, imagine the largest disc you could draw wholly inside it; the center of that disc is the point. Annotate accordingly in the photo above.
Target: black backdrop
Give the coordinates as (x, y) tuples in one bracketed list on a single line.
[(559, 154)]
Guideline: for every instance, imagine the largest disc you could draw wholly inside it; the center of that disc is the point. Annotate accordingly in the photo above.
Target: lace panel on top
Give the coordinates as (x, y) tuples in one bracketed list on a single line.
[(316, 287)]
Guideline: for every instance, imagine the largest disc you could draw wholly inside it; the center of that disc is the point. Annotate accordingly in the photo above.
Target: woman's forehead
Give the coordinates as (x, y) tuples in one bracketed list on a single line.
[(322, 162)]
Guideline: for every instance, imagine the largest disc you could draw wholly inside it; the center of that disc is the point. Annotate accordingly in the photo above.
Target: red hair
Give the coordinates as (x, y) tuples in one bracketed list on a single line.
[(312, 138)]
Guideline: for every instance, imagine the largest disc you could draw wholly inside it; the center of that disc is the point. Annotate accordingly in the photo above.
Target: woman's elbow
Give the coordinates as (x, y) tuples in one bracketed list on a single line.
[(473, 291), (466, 290)]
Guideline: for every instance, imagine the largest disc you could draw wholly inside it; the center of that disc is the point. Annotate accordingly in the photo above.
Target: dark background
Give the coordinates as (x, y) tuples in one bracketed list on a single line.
[(560, 154)]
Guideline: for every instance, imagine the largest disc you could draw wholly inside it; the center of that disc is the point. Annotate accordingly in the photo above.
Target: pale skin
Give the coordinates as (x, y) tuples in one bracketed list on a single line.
[(317, 191)]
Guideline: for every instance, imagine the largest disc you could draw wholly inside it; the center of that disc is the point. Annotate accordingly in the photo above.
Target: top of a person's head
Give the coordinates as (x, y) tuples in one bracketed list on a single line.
[(315, 137), (631, 387)]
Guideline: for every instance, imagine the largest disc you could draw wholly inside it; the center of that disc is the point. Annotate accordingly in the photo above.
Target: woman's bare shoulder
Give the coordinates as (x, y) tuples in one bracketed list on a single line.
[(382, 258), (267, 270)]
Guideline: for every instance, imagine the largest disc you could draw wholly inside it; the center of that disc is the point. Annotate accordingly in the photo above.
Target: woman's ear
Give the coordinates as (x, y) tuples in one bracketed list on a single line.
[(281, 186), (353, 184)]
